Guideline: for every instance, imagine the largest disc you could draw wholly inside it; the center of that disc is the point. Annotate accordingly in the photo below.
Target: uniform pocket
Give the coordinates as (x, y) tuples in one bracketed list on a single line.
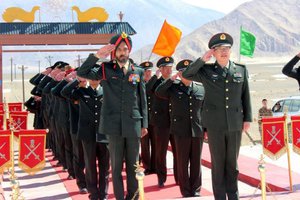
[(136, 114)]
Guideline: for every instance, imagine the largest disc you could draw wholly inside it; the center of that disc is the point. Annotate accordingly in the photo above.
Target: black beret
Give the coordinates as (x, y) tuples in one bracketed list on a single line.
[(220, 39), (183, 64), (165, 61), (123, 37), (146, 65)]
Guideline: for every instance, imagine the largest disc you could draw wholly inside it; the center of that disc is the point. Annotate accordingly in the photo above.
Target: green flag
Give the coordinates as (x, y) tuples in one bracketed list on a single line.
[(247, 44)]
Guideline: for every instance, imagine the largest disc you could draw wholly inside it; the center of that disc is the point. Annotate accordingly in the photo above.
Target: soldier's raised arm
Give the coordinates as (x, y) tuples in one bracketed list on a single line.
[(192, 71), (289, 69), (87, 69)]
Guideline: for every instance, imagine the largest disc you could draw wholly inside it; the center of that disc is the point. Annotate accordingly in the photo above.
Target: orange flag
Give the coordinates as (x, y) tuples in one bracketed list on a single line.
[(167, 40)]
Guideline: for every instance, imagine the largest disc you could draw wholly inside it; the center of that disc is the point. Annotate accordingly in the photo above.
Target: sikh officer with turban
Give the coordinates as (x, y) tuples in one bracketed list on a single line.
[(124, 109)]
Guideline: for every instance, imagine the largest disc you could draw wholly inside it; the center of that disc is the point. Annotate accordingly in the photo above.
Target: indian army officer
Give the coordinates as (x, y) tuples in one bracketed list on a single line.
[(77, 150), (226, 111), (48, 105), (148, 141), (63, 119), (90, 102), (124, 110), (160, 120), (186, 99)]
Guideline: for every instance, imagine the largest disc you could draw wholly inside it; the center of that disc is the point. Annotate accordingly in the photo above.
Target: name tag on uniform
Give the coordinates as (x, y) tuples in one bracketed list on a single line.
[(86, 96), (180, 93), (134, 78)]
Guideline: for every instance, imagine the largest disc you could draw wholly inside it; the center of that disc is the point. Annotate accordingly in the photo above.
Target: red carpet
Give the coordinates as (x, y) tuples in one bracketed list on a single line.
[(170, 191)]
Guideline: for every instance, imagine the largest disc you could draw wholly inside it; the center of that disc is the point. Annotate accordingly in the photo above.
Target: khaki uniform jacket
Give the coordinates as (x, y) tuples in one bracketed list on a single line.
[(124, 108), (227, 98)]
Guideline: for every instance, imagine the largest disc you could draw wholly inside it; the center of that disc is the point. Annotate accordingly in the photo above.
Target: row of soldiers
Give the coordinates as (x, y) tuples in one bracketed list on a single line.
[(78, 105), (112, 118)]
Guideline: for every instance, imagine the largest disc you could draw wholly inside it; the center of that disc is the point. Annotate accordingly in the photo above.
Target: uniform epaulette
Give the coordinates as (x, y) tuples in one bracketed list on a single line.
[(197, 83), (239, 64)]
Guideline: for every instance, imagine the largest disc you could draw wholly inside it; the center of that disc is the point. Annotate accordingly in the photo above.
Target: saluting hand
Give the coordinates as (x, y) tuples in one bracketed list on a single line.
[(47, 71), (70, 77), (144, 132), (54, 72), (173, 78), (207, 56), (298, 54), (157, 73), (105, 51), (60, 76)]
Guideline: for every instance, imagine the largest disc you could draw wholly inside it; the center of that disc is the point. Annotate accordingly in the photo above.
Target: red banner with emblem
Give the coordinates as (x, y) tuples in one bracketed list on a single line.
[(5, 150), (273, 137), (295, 121), (17, 120), (1, 107), (2, 119), (32, 144), (15, 106)]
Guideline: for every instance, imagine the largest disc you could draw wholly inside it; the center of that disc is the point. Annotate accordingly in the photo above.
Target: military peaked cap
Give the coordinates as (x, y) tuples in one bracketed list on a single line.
[(146, 65), (165, 61), (183, 64), (220, 39)]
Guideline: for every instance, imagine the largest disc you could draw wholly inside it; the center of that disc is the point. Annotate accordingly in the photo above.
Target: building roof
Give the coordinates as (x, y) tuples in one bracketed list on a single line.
[(66, 28)]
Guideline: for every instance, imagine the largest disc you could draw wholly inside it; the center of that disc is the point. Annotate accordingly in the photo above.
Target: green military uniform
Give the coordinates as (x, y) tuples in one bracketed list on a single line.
[(148, 141), (123, 114), (226, 106), (186, 102), (160, 120), (263, 112)]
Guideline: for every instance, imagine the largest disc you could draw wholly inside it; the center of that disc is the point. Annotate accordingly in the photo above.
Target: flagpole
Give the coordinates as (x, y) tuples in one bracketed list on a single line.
[(288, 152), (150, 56), (240, 45)]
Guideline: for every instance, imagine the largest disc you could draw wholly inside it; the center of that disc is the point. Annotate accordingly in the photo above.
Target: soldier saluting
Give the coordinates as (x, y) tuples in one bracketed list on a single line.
[(124, 110), (186, 99), (227, 102)]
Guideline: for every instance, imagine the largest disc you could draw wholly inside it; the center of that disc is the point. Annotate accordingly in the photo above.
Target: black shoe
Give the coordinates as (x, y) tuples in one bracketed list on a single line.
[(161, 184), (196, 194), (93, 197), (83, 190), (70, 177)]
